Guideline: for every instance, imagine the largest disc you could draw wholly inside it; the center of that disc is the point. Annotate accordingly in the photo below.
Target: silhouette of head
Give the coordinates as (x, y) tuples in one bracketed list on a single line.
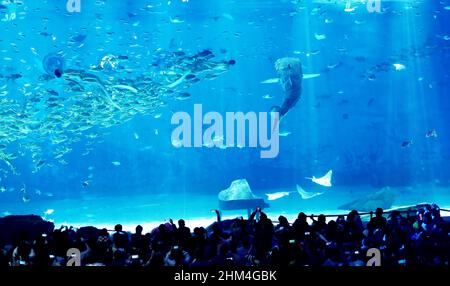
[(283, 220), (379, 212), (301, 216), (321, 218), (263, 217), (118, 227), (104, 232)]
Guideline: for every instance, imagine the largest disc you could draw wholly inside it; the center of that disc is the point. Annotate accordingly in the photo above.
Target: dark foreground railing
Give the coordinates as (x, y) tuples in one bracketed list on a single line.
[(371, 213)]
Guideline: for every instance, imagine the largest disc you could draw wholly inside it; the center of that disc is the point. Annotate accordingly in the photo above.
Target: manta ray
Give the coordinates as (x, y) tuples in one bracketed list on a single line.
[(307, 195), (323, 181), (303, 194)]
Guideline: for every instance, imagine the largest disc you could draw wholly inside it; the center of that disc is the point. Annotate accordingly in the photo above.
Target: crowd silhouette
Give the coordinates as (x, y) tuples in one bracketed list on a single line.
[(418, 239)]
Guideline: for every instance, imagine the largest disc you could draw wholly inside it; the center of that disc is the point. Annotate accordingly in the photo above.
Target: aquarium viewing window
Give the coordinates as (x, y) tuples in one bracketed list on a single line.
[(275, 134)]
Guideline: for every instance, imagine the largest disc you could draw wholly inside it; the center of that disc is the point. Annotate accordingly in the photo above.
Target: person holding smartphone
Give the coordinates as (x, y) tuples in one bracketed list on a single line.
[(262, 231)]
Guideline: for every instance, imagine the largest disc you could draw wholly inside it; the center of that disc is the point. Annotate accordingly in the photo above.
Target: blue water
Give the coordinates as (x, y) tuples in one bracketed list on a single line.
[(353, 118)]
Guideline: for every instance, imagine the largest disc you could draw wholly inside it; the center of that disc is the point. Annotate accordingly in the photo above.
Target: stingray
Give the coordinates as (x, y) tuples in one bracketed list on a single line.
[(303, 194), (277, 195), (323, 181), (383, 198), (307, 195)]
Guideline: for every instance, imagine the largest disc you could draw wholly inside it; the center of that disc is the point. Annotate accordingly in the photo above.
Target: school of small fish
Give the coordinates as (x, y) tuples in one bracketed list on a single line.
[(45, 110), (63, 110)]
